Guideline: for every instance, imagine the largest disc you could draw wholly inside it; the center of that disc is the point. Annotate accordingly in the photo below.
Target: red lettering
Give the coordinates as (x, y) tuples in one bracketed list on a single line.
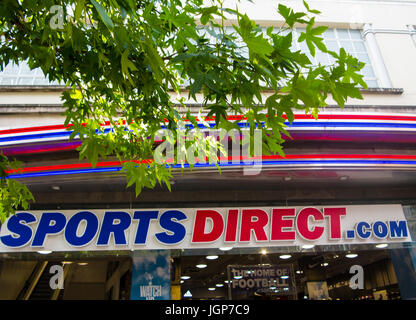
[(247, 224), (231, 229), (278, 223), (302, 223), (201, 217), (334, 215)]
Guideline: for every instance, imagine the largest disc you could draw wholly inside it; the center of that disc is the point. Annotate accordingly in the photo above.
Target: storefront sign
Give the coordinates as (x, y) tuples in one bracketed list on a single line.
[(134, 229), (246, 282)]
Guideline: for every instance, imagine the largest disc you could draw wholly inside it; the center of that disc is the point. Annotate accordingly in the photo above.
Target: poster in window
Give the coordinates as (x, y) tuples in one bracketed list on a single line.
[(151, 275), (318, 290)]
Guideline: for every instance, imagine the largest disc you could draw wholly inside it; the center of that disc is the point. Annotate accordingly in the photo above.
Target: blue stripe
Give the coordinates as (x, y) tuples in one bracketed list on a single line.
[(37, 136), (43, 136), (63, 172)]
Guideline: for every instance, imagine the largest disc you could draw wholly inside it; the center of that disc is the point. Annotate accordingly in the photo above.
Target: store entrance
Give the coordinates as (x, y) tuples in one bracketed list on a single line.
[(308, 273), (65, 276), (312, 275)]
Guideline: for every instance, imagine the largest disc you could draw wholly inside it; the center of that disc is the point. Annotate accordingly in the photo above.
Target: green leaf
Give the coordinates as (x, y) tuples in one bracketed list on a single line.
[(103, 14), (284, 11), (259, 45), (310, 10), (318, 30), (154, 59), (127, 66), (79, 7), (207, 14)]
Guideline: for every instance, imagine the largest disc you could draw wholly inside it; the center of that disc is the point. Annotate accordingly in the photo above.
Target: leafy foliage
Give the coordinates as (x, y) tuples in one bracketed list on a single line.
[(13, 194), (131, 63)]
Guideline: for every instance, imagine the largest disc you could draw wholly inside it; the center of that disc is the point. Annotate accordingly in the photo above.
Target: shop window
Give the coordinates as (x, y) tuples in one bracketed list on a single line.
[(20, 74), (320, 275), (349, 39), (334, 38)]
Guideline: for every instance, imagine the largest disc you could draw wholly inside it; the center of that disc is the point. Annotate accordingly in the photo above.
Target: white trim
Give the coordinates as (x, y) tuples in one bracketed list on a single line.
[(374, 2), (389, 31), (412, 32), (374, 51)]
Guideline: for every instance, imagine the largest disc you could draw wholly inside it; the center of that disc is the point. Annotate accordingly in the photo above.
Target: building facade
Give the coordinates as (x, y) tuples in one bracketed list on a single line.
[(334, 219)]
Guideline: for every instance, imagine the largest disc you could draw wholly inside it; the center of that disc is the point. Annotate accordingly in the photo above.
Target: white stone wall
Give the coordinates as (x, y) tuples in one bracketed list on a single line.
[(389, 23)]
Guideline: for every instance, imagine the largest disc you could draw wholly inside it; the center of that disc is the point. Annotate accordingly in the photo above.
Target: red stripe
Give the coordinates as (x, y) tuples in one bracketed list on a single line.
[(32, 129), (74, 166)]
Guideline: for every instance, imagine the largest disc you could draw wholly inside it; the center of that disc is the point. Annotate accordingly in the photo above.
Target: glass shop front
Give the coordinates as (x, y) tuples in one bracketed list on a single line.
[(351, 252)]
